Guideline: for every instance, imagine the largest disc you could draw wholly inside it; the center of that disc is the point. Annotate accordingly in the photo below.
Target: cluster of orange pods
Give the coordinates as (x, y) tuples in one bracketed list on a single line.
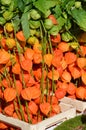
[(32, 82)]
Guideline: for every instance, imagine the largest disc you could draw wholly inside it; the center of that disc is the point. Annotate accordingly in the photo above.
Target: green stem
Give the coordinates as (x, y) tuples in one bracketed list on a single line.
[(5, 32), (42, 79), (50, 44), (47, 84), (23, 82), (51, 50), (52, 80), (43, 37), (28, 114), (17, 112), (20, 105)]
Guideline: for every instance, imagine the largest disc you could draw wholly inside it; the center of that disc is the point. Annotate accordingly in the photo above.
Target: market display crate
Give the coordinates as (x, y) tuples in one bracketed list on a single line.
[(67, 112), (79, 105)]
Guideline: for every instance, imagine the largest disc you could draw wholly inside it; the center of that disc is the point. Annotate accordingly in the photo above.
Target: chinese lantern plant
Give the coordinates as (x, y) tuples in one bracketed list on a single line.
[(26, 88), (39, 69), (32, 90)]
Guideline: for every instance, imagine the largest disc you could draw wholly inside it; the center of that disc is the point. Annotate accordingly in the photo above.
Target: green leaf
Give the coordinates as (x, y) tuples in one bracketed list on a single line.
[(44, 5), (65, 3), (28, 1), (68, 24), (16, 23), (28, 7), (13, 6), (79, 17), (70, 5), (61, 22), (57, 11), (25, 25), (21, 5)]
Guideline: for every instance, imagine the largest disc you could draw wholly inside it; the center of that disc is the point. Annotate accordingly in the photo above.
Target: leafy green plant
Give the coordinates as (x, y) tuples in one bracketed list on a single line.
[(69, 14), (75, 123)]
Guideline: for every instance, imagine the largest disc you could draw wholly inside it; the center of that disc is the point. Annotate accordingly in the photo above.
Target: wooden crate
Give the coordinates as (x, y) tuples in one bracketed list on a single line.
[(67, 112), (79, 105)]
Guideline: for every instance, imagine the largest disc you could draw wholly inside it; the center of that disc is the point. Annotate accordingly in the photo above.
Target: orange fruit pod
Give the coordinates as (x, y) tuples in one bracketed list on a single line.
[(37, 48), (58, 53), (38, 74), (48, 59), (5, 83), (30, 93), (37, 58), (20, 36), (71, 88), (45, 108), (70, 57), (9, 94), (3, 43), (63, 85), (75, 72), (66, 76), (53, 75), (81, 92), (54, 20), (31, 81), (81, 62), (16, 68), (72, 96), (56, 61), (57, 57), (36, 92), (29, 53), (26, 64), (83, 76), (64, 46), (4, 56), (52, 99), (24, 77), (26, 94), (3, 126), (82, 50), (56, 108), (55, 39), (60, 93), (9, 109), (1, 94), (33, 107), (63, 64)]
